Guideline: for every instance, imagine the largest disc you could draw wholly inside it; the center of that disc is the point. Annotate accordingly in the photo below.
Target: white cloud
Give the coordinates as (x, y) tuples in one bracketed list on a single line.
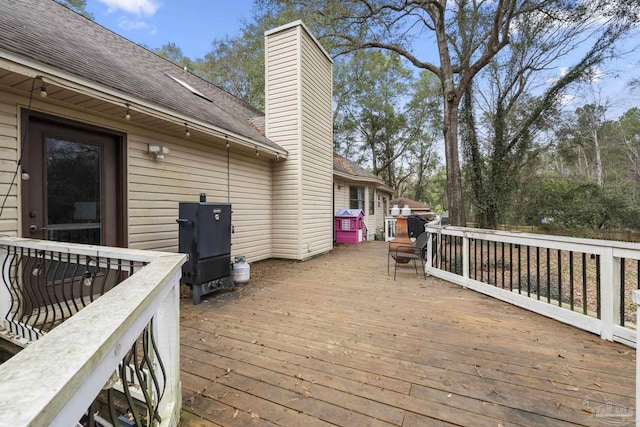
[(128, 25), (595, 74), (566, 99), (137, 7)]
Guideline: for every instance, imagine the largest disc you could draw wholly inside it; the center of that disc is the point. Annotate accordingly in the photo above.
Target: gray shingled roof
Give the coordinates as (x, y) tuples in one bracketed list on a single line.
[(346, 166), (47, 32)]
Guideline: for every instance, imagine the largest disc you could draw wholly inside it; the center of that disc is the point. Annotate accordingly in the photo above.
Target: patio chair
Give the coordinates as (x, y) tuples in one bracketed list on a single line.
[(417, 252)]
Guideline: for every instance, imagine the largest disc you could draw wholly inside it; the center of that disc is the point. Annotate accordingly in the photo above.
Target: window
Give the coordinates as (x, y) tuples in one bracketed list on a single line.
[(372, 201), (356, 198)]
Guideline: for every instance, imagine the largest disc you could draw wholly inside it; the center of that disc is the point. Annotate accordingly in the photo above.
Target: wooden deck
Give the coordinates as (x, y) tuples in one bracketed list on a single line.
[(335, 341)]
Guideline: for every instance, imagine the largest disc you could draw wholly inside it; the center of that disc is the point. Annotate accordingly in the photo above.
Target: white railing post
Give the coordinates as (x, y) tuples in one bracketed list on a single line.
[(429, 263), (609, 292), (166, 332), (465, 257), (389, 228)]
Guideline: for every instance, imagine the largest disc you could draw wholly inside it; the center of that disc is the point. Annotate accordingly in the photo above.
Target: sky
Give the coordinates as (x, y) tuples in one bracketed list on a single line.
[(194, 24), (190, 24)]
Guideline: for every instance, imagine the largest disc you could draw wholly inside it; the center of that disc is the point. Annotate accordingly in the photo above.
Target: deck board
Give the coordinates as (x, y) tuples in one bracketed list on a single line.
[(335, 341)]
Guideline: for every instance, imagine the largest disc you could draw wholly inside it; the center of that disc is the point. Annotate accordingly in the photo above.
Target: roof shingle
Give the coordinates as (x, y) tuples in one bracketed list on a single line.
[(49, 33)]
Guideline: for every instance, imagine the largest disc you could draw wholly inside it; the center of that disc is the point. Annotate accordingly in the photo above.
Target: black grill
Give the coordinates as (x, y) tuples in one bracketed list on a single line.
[(205, 235)]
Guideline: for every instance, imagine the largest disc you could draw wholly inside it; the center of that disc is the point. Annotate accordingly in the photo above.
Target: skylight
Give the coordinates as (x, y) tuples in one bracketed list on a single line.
[(188, 87)]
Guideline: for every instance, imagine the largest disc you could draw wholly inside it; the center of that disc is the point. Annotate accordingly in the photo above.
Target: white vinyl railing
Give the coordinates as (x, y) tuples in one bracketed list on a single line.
[(580, 282), (464, 255), (55, 379), (390, 224)]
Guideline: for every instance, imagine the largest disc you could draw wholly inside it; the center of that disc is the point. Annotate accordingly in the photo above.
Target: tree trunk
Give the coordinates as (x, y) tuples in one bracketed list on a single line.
[(454, 181), (599, 168)]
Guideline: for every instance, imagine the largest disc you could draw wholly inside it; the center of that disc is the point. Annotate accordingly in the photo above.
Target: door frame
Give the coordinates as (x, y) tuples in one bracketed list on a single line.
[(121, 217)]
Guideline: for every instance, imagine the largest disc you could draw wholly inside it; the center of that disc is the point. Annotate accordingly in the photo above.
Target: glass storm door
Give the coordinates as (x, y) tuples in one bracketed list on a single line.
[(71, 192)]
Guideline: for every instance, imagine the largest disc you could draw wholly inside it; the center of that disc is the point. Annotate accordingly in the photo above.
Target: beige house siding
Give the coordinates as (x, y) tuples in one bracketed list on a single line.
[(380, 213), (155, 187), (298, 118), (282, 126), (341, 201), (317, 148), (9, 221), (341, 195)]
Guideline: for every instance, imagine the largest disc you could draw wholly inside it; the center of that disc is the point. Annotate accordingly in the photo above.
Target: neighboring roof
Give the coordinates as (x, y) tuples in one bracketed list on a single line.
[(48, 33), (351, 170), (413, 204)]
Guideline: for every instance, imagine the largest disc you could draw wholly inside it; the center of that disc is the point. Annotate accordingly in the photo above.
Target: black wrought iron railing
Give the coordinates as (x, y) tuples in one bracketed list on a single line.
[(54, 293), (132, 394), (47, 287)]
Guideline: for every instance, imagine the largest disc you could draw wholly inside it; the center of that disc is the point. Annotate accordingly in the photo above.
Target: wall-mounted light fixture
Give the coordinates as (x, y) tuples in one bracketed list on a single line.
[(186, 130), (158, 151), (226, 138), (127, 116), (43, 88), (257, 152)]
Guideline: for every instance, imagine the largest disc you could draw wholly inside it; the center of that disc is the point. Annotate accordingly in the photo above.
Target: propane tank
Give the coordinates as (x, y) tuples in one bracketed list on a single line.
[(241, 270)]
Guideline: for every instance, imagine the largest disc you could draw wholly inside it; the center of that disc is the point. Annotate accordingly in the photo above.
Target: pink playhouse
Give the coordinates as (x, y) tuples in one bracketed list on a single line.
[(350, 226)]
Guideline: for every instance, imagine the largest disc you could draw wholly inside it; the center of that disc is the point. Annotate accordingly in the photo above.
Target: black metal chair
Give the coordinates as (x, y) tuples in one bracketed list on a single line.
[(417, 252)]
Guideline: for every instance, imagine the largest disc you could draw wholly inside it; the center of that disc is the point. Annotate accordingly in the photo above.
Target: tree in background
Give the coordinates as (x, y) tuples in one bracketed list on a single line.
[(378, 125), (172, 52), (628, 133), (509, 115), (566, 192), (468, 35), (79, 6), (494, 56)]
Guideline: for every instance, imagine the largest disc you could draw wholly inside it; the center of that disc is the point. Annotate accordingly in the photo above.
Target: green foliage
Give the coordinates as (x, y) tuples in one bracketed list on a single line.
[(79, 6), (578, 206), (434, 195), (377, 124), (504, 126), (172, 52)]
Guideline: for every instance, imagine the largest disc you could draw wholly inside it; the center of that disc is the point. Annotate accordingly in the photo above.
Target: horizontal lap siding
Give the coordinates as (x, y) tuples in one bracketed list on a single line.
[(157, 186), (341, 195), (251, 203), (317, 159), (380, 213), (283, 127), (8, 161)]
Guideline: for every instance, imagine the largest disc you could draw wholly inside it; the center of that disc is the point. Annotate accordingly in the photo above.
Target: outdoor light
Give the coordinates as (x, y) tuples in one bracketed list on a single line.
[(227, 140), (158, 151), (128, 115), (277, 157), (25, 175), (257, 153), (186, 131), (43, 87)]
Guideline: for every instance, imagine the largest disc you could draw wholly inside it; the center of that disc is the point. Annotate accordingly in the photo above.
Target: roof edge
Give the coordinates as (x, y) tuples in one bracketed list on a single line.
[(30, 68), (361, 179)]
